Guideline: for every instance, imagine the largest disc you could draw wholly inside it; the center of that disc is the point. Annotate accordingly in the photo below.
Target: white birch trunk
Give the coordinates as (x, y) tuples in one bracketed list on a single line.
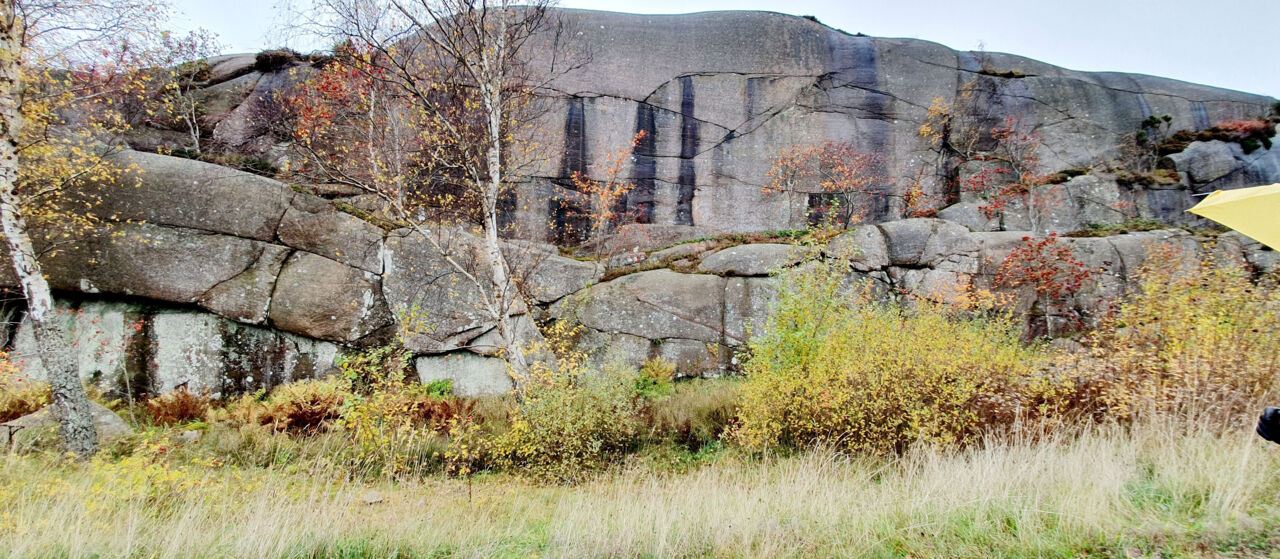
[(70, 403)]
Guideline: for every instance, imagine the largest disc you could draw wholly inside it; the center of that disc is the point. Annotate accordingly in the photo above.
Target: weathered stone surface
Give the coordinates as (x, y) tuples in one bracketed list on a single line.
[(229, 66), (606, 349), (219, 100), (247, 296), (691, 357), (1133, 248), (969, 214), (41, 425), (246, 128), (906, 240), (657, 304), (312, 224), (188, 352), (1205, 161), (186, 193), (100, 333), (683, 250), (131, 348), (947, 242), (751, 260), (163, 263), (1071, 206), (490, 343), (472, 375), (548, 277), (747, 302), (1260, 256), (642, 237), (440, 308), (864, 246), (325, 299), (722, 94)]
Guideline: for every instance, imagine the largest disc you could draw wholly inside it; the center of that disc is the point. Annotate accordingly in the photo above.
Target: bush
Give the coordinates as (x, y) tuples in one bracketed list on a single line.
[(178, 406), (307, 406), (655, 378), (19, 396), (1197, 340), (274, 60), (569, 421), (392, 421), (836, 368)]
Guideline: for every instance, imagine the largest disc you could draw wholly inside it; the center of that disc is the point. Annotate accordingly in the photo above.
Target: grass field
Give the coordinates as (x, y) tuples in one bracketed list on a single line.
[(1103, 492)]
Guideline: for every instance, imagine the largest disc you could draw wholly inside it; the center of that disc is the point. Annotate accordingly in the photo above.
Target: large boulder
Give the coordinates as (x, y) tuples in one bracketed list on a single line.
[(473, 375), (326, 299), (137, 349), (172, 191), (657, 305), (41, 427), (312, 224), (1205, 162), (747, 304), (925, 242), (864, 246), (546, 277), (436, 283), (751, 260), (246, 297), (906, 240), (230, 275)]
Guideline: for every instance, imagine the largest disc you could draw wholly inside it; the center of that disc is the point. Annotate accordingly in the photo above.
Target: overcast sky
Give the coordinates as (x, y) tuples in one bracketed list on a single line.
[(1224, 43)]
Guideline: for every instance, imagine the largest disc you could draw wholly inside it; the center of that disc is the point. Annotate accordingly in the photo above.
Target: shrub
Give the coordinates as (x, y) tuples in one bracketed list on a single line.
[(1049, 268), (430, 410), (1197, 340), (569, 421), (1110, 229), (835, 368), (1250, 134), (178, 406), (442, 388), (19, 396), (378, 415), (655, 378), (307, 406), (274, 60), (391, 420)]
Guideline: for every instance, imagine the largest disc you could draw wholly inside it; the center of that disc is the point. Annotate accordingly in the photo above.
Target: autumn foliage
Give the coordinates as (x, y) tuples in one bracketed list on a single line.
[(352, 128), (605, 195), (1049, 267), (832, 168)]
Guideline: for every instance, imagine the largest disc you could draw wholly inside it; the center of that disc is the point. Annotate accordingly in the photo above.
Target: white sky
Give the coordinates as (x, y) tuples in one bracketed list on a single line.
[(1224, 43)]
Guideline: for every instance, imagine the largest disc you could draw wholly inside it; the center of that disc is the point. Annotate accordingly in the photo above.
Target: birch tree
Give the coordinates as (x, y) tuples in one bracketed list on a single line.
[(462, 75), (51, 54)]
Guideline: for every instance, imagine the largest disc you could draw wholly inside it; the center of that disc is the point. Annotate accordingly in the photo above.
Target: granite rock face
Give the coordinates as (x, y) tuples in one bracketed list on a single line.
[(133, 348), (227, 281), (721, 94)]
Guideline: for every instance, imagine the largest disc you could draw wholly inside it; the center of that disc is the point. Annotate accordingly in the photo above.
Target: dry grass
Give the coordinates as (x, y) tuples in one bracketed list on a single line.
[(1105, 492)]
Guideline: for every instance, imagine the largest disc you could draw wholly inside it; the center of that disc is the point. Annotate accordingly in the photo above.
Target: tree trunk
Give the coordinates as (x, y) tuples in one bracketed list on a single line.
[(506, 293), (70, 403)]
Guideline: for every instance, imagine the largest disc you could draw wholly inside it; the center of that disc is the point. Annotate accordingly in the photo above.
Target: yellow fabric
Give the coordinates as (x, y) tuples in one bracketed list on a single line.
[(1252, 211)]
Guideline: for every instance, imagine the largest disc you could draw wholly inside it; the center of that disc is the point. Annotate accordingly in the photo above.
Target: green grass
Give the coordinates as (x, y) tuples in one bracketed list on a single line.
[(1149, 491)]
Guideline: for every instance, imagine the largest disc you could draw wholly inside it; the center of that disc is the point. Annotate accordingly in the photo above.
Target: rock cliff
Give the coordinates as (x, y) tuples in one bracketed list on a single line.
[(230, 281), (721, 94)]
